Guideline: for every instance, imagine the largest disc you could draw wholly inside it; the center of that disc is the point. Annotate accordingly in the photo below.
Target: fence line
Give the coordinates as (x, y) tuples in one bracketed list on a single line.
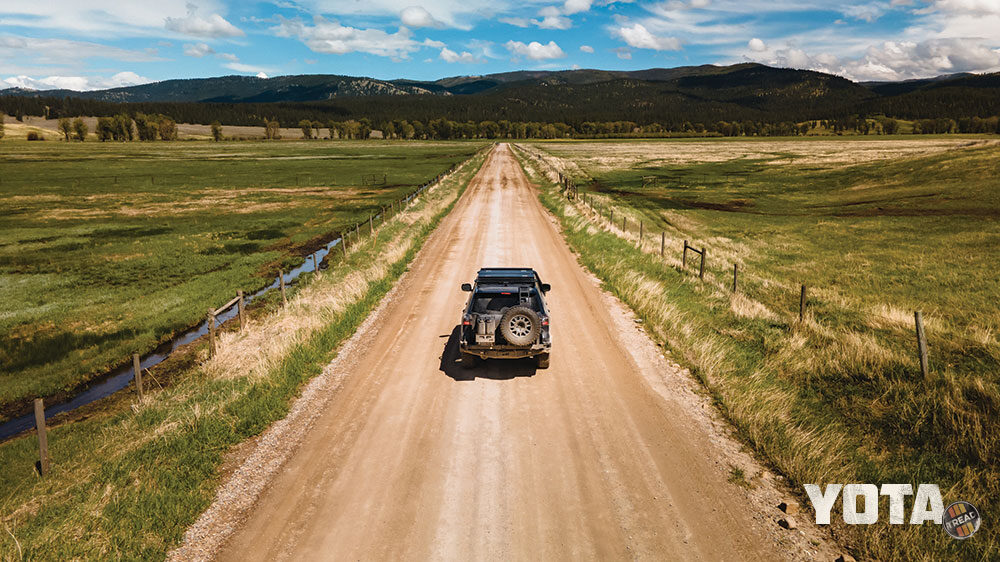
[(571, 191), (396, 207)]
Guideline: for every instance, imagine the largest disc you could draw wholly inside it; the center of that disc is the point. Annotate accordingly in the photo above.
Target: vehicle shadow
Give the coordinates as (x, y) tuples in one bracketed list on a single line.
[(493, 369)]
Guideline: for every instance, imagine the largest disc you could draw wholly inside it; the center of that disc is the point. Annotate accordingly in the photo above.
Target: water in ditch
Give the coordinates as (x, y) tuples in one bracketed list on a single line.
[(121, 377)]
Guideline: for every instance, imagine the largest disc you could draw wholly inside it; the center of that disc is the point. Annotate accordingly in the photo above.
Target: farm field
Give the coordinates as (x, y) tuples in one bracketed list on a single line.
[(876, 230), (109, 249), (49, 129)]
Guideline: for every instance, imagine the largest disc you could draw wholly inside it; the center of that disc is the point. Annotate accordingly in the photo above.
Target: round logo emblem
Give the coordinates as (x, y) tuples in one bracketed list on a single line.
[(961, 520)]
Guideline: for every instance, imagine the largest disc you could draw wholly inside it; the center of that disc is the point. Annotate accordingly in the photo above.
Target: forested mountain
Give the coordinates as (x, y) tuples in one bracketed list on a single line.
[(670, 97)]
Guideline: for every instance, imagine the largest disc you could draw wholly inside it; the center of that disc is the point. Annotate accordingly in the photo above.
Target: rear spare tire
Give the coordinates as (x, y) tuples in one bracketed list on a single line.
[(520, 325)]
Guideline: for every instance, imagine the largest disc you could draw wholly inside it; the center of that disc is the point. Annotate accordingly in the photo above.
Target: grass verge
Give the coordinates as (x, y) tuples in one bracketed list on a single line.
[(126, 484)]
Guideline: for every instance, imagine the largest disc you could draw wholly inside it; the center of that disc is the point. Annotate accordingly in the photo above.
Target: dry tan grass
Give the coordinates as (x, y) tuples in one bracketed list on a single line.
[(745, 307), (257, 350), (50, 129), (598, 156)]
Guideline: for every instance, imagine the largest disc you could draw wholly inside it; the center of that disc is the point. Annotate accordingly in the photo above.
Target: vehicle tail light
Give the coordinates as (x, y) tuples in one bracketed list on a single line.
[(466, 322), (545, 321)]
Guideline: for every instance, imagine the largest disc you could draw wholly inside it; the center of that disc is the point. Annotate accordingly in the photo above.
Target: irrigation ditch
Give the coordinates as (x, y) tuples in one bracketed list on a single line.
[(122, 377)]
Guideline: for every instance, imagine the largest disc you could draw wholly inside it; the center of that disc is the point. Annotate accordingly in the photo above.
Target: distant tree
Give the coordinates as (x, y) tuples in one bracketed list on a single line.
[(333, 128), (80, 129), (307, 128), (317, 125), (216, 131), (489, 129), (388, 129), (66, 126), (406, 129), (504, 126), (351, 129), (35, 136), (441, 128), (272, 130), (890, 126), (123, 127), (419, 129), (146, 127), (105, 129), (167, 128), (364, 128)]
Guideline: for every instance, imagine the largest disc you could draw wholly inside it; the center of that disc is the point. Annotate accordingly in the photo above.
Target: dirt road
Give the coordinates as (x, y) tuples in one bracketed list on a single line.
[(594, 458)]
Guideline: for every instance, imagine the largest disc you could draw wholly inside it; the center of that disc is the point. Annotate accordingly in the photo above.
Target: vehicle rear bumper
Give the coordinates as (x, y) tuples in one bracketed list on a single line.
[(505, 351)]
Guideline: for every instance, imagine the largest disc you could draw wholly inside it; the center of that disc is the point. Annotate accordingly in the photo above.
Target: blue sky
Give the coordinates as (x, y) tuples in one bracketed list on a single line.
[(88, 44)]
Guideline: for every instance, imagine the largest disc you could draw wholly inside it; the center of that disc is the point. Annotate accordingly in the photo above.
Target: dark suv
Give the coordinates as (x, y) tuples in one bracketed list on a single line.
[(506, 317)]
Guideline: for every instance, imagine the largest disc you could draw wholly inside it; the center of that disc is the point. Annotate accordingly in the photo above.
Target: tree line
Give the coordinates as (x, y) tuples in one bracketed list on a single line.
[(349, 119)]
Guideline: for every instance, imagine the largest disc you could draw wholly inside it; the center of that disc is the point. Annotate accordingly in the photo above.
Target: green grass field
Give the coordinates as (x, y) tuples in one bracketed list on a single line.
[(109, 249), (839, 397)]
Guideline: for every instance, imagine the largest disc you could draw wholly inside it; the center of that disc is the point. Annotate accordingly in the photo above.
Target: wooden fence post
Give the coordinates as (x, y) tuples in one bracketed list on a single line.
[(735, 273), (624, 224), (239, 303), (43, 440), (137, 370), (802, 304), (663, 242), (640, 233), (371, 224), (701, 270), (611, 216), (343, 244), (684, 255), (918, 318), (211, 333), (281, 283), (315, 263)]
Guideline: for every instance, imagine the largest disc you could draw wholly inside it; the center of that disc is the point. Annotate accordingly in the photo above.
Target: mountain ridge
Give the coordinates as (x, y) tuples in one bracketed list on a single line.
[(319, 87), (695, 94)]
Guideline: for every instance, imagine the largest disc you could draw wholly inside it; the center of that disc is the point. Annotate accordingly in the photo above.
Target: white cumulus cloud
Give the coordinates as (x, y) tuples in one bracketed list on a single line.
[(576, 6), (894, 60), (78, 83), (553, 22), (330, 37), (535, 50), (193, 24), (465, 57), (757, 45), (586, 48), (198, 50), (636, 35), (418, 16)]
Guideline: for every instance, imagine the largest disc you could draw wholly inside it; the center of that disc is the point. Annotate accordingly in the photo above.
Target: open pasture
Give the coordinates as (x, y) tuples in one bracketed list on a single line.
[(109, 249), (876, 230)]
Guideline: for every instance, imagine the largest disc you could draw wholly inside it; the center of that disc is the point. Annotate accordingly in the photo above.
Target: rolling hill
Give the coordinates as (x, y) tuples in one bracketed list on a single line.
[(706, 94)]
